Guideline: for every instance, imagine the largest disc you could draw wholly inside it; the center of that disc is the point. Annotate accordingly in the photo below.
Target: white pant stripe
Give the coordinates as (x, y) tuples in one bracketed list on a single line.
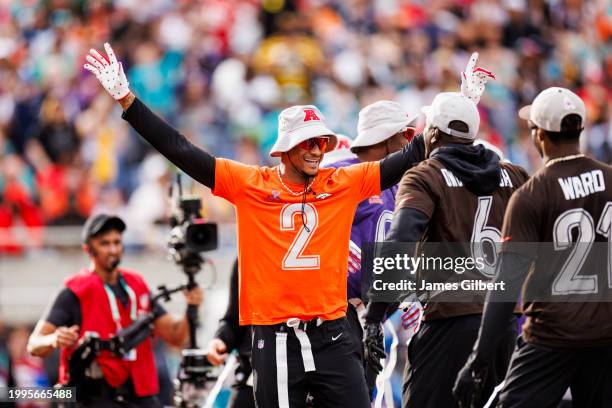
[(307, 356), (281, 370), (496, 391)]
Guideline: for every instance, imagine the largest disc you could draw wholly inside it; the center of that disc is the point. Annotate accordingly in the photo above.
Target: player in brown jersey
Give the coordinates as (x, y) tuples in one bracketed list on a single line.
[(565, 206), (459, 194)]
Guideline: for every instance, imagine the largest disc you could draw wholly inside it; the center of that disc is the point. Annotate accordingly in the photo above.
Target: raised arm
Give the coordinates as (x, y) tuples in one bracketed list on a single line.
[(194, 161), (393, 167), (197, 163)]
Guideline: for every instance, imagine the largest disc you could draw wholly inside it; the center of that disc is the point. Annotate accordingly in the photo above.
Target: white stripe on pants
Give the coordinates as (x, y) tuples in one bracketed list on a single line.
[(281, 370), (307, 356)]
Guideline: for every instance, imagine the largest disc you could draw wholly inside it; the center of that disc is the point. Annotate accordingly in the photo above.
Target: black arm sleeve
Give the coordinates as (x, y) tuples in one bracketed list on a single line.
[(229, 329), (512, 269), (408, 225), (393, 167), (66, 309), (194, 161)]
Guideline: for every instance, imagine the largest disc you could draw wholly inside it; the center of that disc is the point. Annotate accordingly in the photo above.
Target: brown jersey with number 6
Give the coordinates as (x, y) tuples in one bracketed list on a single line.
[(459, 216)]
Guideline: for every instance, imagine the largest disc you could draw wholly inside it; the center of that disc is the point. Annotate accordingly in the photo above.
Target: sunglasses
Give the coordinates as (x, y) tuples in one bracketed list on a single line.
[(310, 144)]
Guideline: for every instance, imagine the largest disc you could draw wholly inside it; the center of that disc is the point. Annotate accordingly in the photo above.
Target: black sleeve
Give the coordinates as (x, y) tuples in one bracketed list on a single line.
[(229, 329), (194, 161), (408, 225), (512, 269), (393, 167), (66, 309)]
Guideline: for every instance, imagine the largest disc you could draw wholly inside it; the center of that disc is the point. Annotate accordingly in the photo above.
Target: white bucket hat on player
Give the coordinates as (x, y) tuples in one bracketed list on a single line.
[(379, 121), (299, 123), (550, 107), (449, 106)]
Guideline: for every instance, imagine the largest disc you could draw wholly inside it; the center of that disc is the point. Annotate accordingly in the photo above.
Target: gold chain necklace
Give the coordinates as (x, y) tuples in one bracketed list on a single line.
[(564, 158), (293, 193)]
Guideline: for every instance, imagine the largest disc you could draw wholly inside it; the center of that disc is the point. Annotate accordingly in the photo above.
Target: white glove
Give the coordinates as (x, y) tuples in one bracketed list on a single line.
[(108, 71), (473, 80)]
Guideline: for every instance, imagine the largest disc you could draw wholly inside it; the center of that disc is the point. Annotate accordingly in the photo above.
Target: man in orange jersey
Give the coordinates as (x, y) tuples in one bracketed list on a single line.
[(294, 223)]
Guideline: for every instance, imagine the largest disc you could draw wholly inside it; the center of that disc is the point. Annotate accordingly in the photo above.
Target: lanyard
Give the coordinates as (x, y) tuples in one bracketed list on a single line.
[(112, 300)]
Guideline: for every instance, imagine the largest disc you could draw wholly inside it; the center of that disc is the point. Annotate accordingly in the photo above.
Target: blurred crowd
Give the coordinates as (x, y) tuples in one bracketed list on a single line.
[(220, 70)]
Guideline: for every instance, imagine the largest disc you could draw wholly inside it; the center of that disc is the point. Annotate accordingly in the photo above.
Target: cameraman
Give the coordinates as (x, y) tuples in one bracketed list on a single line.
[(103, 299)]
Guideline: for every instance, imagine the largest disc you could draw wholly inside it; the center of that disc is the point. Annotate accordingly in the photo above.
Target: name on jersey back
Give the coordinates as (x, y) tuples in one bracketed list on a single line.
[(582, 185), (453, 181)]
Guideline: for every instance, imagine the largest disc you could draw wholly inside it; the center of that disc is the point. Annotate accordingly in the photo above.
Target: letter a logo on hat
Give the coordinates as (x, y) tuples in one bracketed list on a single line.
[(310, 114)]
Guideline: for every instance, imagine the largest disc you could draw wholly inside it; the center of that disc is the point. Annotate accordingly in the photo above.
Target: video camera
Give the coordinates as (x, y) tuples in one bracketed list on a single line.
[(91, 345), (189, 237), (190, 234)]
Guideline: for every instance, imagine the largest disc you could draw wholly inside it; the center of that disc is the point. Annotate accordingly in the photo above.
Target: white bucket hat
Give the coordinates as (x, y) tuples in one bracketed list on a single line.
[(449, 106), (379, 121), (299, 123), (550, 107), (341, 152)]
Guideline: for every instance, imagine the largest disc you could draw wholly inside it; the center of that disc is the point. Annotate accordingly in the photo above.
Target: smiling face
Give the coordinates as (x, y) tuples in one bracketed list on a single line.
[(305, 158)]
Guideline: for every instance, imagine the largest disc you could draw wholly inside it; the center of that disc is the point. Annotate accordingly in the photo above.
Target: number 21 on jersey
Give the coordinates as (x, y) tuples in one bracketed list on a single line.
[(569, 281)]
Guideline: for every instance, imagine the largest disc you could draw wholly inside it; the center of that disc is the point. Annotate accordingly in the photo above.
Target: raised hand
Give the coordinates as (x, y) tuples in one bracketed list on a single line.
[(108, 71), (474, 79)]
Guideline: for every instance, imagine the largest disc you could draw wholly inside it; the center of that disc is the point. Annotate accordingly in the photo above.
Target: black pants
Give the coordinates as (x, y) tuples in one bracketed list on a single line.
[(357, 331), (436, 354), (242, 397), (539, 376), (323, 360)]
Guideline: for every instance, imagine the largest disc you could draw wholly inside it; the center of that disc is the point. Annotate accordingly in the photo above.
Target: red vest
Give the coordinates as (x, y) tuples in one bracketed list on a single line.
[(97, 317)]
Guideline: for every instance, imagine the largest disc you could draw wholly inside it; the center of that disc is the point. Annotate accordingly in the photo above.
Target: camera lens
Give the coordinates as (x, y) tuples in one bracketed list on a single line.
[(201, 237)]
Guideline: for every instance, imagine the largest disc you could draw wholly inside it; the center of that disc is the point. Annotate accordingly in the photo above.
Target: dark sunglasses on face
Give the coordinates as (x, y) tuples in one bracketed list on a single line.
[(310, 144)]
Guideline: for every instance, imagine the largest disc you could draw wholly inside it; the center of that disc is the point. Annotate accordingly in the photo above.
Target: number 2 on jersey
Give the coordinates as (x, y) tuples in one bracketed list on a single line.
[(569, 281), (294, 258)]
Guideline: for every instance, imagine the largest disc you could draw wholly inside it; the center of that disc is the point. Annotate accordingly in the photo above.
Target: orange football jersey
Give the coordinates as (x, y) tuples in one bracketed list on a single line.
[(287, 270)]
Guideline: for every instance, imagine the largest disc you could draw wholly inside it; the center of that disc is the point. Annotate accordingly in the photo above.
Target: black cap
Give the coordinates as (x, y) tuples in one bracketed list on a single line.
[(101, 223)]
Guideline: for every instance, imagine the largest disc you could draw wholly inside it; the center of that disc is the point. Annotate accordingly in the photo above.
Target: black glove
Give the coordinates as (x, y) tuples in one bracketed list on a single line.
[(373, 344), (468, 386)]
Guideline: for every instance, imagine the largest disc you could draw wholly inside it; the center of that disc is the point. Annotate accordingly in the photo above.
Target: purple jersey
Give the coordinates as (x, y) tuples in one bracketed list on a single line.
[(371, 223)]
